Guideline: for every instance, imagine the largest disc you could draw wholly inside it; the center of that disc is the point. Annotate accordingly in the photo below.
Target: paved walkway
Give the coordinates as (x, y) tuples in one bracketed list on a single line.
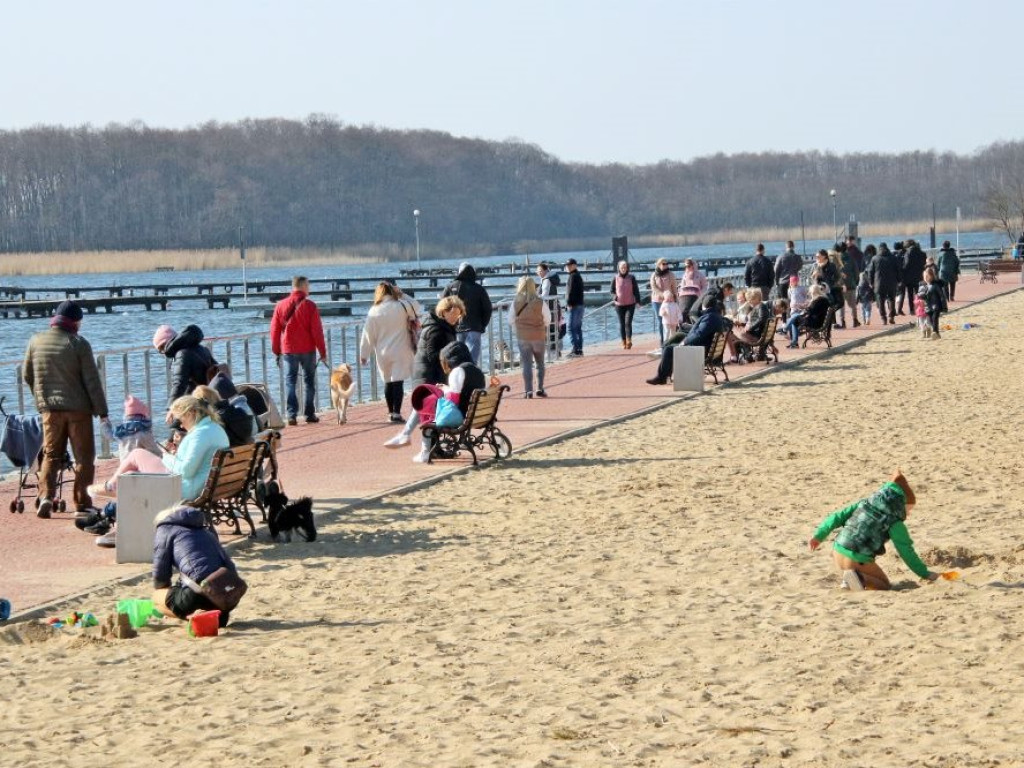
[(44, 560)]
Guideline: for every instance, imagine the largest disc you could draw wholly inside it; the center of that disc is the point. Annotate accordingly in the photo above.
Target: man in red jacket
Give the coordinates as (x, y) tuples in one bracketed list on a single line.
[(296, 332)]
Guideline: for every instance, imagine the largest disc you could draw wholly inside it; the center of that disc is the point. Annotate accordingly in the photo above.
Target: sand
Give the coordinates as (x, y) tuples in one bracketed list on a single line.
[(641, 596)]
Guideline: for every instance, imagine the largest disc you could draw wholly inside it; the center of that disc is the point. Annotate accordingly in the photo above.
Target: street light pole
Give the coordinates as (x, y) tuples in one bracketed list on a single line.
[(416, 218), (835, 224)]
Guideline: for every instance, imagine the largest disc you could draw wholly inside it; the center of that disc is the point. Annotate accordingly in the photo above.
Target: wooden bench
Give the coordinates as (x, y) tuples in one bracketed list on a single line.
[(823, 333), (231, 485), (714, 356), (765, 345), (476, 431)]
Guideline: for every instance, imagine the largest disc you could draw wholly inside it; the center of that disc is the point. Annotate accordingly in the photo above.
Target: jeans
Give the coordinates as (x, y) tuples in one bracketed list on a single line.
[(307, 362), (576, 329), (791, 327), (60, 428), (472, 340), (626, 320), (531, 352), (656, 306)]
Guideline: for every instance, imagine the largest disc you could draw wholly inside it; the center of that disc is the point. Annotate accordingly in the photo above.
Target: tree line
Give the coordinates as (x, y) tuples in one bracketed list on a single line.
[(319, 182)]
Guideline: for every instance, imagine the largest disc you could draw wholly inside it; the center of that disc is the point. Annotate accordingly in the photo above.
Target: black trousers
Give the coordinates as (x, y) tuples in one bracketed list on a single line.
[(933, 318), (950, 289), (626, 320), (886, 297), (667, 364), (908, 292), (394, 392)]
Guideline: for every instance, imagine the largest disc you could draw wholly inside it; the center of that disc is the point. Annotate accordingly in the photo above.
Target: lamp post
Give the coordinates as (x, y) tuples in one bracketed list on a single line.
[(416, 218), (835, 225)]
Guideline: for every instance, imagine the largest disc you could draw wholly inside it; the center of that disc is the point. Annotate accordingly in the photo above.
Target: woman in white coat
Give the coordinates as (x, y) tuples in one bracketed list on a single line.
[(387, 334)]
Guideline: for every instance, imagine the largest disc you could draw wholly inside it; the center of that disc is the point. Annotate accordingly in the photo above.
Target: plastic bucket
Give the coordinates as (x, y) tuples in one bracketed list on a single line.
[(204, 624), (138, 611)]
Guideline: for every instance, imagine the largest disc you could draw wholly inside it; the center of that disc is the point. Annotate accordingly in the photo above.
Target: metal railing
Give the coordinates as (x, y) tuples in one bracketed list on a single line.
[(146, 373)]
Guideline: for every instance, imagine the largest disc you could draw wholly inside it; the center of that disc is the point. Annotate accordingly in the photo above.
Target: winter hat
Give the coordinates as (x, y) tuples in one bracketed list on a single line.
[(794, 280), (135, 407), (163, 335), (908, 492), (69, 310), (224, 386), (456, 353)]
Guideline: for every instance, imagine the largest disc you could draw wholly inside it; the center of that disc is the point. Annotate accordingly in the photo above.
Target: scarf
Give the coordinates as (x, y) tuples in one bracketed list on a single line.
[(65, 324)]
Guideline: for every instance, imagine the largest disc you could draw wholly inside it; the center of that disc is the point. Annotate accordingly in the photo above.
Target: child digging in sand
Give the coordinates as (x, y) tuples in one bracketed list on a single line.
[(865, 526)]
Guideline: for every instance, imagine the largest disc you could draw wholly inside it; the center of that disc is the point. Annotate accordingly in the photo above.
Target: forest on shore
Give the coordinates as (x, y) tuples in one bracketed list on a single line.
[(319, 182)]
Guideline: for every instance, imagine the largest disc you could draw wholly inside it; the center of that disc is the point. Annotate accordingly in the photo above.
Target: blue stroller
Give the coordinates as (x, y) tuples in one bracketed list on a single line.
[(21, 441)]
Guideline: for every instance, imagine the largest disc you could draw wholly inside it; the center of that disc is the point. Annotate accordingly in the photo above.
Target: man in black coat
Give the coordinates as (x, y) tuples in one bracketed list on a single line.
[(574, 303), (913, 268), (884, 274), (478, 308), (760, 273)]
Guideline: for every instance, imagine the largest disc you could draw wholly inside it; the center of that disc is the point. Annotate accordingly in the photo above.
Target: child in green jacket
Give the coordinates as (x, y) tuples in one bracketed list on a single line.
[(865, 526)]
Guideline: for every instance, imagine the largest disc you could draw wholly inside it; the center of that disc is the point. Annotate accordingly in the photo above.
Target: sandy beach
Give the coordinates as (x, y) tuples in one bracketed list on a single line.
[(639, 596)]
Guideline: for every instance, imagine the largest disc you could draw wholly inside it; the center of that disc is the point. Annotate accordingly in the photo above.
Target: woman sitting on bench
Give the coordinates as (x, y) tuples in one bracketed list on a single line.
[(192, 459), (749, 333), (812, 317)]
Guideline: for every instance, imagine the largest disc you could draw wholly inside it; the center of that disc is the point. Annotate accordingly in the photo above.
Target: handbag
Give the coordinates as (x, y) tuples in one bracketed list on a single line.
[(224, 588), (447, 414), (413, 326)]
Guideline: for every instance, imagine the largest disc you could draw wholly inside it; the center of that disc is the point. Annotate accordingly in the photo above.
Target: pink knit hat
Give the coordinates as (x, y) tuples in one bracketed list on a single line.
[(163, 335), (135, 407)]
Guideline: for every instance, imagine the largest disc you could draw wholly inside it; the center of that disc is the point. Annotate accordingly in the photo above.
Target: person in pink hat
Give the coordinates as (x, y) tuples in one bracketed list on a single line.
[(136, 431)]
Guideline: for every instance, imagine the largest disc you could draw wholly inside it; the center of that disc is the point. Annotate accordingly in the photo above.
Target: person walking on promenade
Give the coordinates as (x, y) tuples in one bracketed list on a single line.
[(855, 253), (477, 305), (548, 290), (60, 370), (574, 303), (297, 333), (949, 269), (439, 330), (864, 528), (787, 265), (913, 269), (865, 298), (884, 274), (691, 286), (530, 317), (760, 273), (192, 360), (851, 277), (626, 296), (661, 280), (386, 336), (826, 273)]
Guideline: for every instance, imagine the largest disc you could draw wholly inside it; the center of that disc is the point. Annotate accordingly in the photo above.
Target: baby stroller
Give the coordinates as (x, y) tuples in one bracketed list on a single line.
[(21, 441), (262, 404)]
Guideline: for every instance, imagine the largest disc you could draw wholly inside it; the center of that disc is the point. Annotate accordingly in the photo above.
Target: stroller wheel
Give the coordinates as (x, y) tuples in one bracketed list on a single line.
[(14, 507), (21, 506), (62, 506)]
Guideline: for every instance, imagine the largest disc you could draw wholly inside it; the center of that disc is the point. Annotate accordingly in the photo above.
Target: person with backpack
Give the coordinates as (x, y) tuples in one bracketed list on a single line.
[(949, 269), (192, 361), (477, 305), (760, 273), (297, 333)]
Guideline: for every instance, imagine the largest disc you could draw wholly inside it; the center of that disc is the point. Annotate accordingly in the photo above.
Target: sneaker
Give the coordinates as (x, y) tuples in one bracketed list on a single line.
[(397, 441), (527, 395), (396, 418), (851, 581), (314, 419), (101, 526), (292, 421), (81, 523), (541, 393), (108, 540), (44, 508), (100, 489), (423, 457)]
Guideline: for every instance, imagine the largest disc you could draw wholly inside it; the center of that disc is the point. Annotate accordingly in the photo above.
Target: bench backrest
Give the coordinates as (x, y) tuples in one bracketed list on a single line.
[(483, 407), (768, 334), (716, 348), (231, 471)]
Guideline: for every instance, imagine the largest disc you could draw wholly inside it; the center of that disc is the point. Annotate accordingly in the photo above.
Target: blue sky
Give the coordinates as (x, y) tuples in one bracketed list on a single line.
[(635, 81)]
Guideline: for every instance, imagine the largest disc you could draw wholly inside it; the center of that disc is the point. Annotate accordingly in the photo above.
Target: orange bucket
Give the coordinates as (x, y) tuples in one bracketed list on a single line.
[(204, 624)]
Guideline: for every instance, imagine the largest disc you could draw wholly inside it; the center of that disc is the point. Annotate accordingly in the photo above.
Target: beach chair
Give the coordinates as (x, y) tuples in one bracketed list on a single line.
[(823, 333), (231, 486), (477, 430), (714, 357)]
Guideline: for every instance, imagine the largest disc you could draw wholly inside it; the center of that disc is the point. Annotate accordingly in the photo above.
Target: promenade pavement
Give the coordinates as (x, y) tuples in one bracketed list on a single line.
[(42, 561)]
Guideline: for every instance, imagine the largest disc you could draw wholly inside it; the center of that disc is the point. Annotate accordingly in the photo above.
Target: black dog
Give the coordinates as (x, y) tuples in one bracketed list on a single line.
[(285, 517)]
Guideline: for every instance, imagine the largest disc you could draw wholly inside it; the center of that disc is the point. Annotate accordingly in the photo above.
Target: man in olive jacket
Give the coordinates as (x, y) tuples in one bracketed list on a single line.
[(61, 371)]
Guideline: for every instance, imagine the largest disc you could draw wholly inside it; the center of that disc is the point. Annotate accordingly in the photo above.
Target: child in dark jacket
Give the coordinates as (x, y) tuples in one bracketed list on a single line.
[(934, 301), (184, 542), (865, 526)]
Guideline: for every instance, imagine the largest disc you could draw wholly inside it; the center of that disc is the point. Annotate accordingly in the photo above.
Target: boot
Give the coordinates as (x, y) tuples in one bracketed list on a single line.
[(856, 323), (629, 343), (624, 344), (935, 336)]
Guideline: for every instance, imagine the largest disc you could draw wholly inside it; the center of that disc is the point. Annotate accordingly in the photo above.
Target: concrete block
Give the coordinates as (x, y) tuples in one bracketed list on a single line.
[(140, 497), (688, 369)]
